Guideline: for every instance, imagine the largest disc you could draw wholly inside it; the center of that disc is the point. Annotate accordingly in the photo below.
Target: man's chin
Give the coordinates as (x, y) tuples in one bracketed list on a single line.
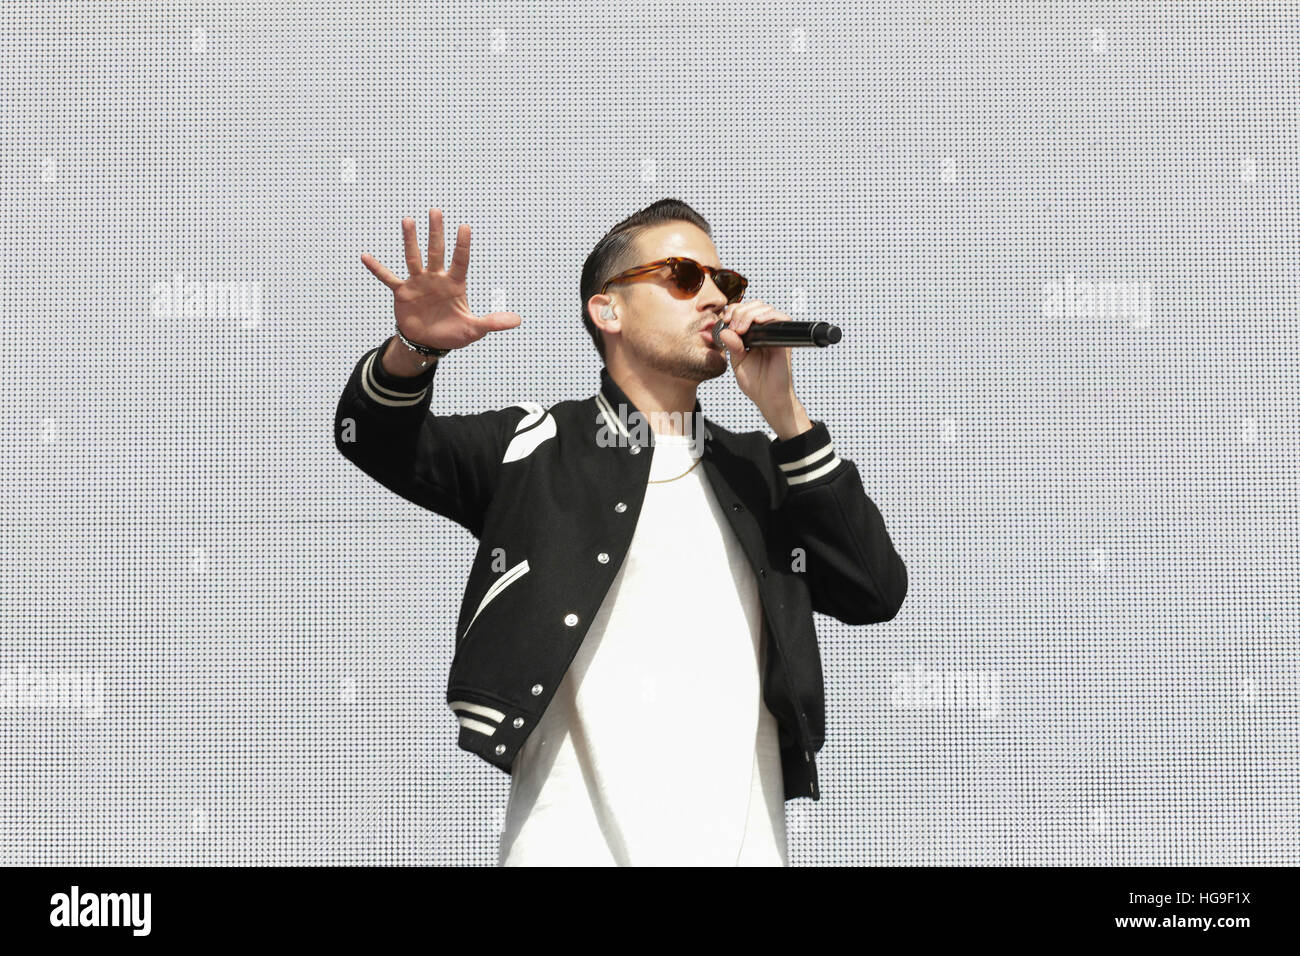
[(717, 361), (695, 366), (714, 369)]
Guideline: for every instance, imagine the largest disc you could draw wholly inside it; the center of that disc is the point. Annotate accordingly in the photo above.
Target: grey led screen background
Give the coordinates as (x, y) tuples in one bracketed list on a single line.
[(1061, 241)]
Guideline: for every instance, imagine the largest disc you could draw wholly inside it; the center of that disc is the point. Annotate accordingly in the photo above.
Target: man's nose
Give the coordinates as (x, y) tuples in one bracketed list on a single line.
[(711, 295)]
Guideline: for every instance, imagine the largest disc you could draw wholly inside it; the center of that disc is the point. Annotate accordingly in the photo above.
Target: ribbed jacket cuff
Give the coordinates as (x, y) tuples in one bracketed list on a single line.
[(807, 456), (395, 391)]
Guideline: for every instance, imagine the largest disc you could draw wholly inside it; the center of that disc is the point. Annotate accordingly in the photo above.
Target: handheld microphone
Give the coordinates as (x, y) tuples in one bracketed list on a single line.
[(783, 334)]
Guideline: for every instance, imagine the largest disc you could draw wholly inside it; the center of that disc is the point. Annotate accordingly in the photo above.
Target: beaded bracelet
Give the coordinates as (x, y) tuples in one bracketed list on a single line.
[(421, 349)]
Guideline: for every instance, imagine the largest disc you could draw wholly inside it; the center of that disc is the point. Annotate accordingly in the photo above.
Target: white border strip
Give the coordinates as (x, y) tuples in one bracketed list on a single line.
[(808, 459), (823, 470), (373, 388), (608, 411), (472, 724), (480, 709)]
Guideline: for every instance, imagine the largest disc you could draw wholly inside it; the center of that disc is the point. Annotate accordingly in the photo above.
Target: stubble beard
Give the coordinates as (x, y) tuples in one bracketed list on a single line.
[(688, 360)]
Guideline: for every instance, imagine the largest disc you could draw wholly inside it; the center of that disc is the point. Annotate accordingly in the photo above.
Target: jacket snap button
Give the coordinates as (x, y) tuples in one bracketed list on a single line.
[(635, 450), (537, 689), (762, 572), (620, 507), (603, 558), (519, 722), (501, 748), (570, 619), (735, 506)]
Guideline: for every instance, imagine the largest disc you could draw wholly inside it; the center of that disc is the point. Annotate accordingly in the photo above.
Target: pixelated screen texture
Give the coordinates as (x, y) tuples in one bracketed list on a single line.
[(1060, 241)]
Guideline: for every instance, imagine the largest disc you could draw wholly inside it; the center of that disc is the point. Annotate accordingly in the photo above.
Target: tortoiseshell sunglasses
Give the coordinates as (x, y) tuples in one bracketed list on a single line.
[(688, 276)]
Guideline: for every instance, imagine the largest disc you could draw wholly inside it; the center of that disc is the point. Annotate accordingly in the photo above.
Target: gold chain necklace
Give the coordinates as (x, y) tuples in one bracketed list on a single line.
[(661, 481)]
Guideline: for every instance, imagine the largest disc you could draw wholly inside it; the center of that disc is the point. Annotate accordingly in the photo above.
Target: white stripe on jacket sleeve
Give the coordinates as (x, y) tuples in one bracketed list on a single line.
[(801, 470), (384, 395)]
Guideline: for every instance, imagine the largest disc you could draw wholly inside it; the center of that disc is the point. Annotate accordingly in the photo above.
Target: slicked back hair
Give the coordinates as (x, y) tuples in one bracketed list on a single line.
[(617, 251)]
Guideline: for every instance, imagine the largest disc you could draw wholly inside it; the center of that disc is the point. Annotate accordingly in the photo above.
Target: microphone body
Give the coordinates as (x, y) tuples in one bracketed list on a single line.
[(784, 334)]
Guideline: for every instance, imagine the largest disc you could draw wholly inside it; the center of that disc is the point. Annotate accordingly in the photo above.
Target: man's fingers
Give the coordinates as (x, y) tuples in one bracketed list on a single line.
[(460, 257), (437, 247), (747, 313), (738, 317), (382, 274), (413, 264), (497, 321), (734, 345)]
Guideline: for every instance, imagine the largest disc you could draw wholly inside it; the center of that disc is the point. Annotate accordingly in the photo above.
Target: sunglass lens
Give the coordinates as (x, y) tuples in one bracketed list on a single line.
[(730, 284), (689, 276)]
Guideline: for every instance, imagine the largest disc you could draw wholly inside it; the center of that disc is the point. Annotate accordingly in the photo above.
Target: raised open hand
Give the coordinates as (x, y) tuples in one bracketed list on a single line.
[(430, 306)]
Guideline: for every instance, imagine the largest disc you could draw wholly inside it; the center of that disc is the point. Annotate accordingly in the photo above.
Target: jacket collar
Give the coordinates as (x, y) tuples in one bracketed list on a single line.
[(628, 422)]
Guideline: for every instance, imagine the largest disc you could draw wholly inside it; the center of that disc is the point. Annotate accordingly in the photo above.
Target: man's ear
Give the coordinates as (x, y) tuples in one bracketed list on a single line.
[(608, 314)]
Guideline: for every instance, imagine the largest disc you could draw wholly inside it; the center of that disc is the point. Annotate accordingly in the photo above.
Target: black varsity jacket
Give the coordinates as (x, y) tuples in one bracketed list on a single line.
[(553, 495)]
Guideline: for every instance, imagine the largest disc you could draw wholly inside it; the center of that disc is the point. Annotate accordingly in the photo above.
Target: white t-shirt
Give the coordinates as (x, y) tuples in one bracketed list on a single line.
[(657, 748)]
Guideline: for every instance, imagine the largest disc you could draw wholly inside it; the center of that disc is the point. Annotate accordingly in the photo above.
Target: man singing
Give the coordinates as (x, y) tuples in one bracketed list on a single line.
[(636, 644)]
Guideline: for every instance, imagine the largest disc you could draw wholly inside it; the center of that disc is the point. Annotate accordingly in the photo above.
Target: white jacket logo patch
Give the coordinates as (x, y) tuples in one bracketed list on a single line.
[(533, 429)]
